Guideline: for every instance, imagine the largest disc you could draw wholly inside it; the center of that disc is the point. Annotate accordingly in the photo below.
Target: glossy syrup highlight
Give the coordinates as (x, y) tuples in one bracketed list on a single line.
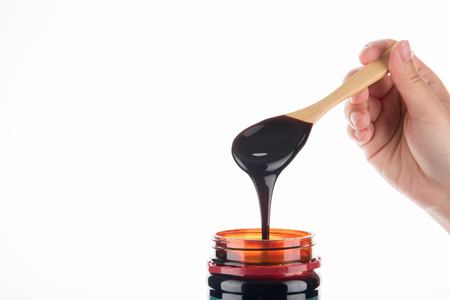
[(263, 151)]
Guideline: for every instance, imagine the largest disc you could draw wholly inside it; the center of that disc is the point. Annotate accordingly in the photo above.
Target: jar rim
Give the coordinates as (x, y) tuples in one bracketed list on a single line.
[(296, 234), (248, 239)]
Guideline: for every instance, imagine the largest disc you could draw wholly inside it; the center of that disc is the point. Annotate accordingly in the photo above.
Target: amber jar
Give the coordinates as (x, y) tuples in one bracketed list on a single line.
[(244, 266)]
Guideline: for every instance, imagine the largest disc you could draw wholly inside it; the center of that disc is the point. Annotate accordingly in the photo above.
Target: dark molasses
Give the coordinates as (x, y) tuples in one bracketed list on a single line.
[(264, 150)]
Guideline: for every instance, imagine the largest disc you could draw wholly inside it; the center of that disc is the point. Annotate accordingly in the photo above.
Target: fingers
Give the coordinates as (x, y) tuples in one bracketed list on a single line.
[(363, 109), (377, 124), (435, 83), (361, 137), (418, 96), (378, 90), (361, 118), (381, 88), (375, 115), (361, 97), (373, 50)]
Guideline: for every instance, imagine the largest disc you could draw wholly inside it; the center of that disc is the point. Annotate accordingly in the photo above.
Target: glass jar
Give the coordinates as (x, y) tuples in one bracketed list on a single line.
[(244, 266)]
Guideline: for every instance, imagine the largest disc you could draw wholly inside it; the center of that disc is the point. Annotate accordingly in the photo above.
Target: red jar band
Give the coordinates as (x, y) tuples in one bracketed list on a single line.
[(248, 270)]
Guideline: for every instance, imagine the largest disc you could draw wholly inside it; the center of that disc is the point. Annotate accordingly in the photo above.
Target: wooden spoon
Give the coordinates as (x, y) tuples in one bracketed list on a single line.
[(273, 139), (368, 75), (264, 149)]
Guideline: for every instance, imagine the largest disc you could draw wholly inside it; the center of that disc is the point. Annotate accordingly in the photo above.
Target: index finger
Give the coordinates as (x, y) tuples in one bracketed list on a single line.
[(374, 49)]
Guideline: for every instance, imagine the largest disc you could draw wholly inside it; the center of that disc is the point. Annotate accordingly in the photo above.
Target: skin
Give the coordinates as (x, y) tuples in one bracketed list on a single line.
[(402, 123)]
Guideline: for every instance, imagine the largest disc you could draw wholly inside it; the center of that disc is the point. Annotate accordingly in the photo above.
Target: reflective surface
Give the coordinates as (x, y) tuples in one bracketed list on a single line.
[(246, 246), (300, 287), (244, 266), (264, 150)]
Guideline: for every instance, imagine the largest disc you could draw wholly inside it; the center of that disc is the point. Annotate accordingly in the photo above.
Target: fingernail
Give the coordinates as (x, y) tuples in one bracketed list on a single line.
[(352, 98), (405, 51), (355, 116), (359, 133), (365, 47)]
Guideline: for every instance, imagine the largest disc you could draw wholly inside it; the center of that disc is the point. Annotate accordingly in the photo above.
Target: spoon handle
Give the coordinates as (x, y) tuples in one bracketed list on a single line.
[(368, 75)]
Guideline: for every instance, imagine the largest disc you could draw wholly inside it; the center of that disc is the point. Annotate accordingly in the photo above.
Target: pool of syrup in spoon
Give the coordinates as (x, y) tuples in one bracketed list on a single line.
[(263, 150)]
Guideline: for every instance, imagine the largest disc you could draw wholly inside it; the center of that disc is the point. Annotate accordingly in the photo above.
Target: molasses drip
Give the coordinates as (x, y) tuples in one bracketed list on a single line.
[(264, 150)]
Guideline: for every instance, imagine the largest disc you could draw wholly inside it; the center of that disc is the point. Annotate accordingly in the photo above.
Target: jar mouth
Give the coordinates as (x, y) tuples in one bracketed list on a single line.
[(254, 234), (250, 239)]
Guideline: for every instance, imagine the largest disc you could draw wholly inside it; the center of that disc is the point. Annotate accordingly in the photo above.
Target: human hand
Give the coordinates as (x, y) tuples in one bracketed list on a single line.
[(402, 123)]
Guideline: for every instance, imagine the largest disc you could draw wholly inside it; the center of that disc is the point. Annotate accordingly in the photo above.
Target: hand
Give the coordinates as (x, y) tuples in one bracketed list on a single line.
[(402, 123)]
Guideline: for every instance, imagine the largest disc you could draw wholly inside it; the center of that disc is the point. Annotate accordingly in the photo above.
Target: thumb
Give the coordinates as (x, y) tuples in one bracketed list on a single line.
[(416, 93)]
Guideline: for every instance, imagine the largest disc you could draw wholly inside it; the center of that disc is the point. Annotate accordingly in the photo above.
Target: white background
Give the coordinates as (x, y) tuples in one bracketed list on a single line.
[(116, 123)]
